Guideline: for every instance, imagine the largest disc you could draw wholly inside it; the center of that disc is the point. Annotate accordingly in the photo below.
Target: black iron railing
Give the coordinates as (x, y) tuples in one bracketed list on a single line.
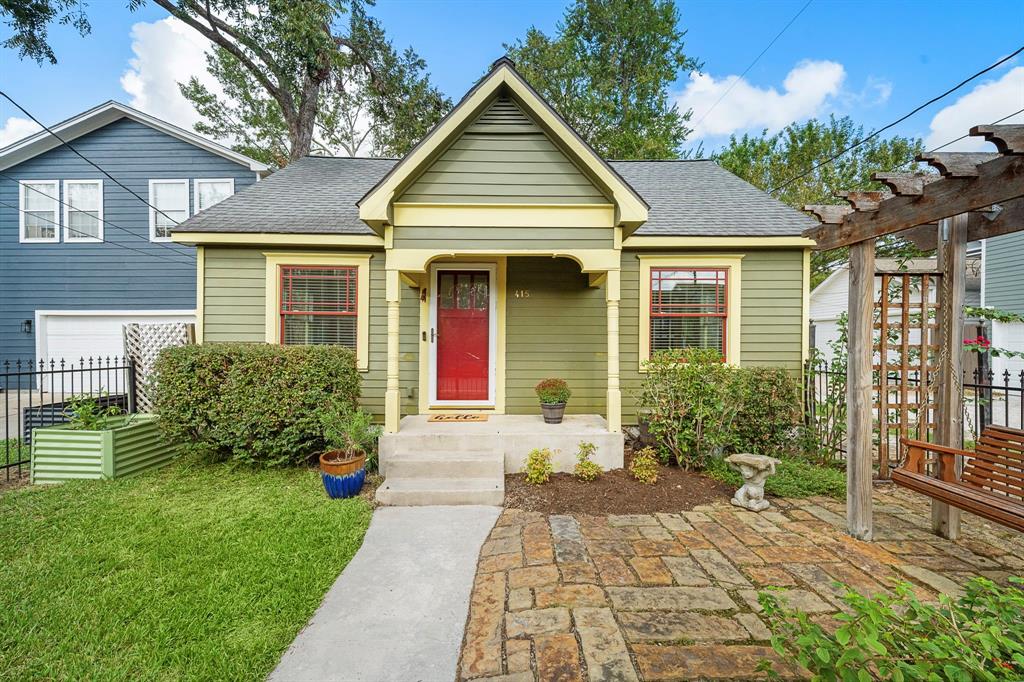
[(39, 393)]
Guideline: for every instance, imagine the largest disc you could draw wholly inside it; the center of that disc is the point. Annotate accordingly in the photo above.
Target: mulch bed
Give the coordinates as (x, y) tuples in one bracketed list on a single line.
[(616, 492)]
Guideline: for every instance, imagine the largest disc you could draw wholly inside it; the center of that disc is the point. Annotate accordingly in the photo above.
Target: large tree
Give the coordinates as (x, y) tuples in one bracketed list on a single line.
[(771, 162), (293, 69), (607, 71)]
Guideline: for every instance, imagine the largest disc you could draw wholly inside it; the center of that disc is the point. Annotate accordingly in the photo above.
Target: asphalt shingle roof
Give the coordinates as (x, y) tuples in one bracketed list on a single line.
[(318, 195)]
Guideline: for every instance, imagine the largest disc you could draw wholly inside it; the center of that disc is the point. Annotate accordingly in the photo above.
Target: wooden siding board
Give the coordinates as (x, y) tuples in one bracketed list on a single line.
[(528, 166), (102, 276), (1004, 287), (417, 237)]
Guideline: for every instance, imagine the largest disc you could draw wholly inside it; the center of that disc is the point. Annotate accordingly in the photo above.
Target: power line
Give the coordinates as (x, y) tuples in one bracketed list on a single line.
[(751, 65), (881, 130), (57, 226), (28, 185), (1019, 111), (90, 162)]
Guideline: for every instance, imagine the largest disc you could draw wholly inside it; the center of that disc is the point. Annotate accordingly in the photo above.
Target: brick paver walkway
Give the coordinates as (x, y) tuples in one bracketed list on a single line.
[(673, 596)]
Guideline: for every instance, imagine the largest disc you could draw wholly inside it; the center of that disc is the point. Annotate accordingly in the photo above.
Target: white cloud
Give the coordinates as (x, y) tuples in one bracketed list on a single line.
[(805, 91), (987, 102), (16, 128), (167, 52)]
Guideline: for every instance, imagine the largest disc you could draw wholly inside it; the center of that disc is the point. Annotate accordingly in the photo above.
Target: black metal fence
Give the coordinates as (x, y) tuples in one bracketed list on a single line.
[(39, 393), (987, 398)]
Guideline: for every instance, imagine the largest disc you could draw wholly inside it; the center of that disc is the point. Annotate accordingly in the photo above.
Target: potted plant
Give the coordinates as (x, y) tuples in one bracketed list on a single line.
[(553, 394), (348, 435)]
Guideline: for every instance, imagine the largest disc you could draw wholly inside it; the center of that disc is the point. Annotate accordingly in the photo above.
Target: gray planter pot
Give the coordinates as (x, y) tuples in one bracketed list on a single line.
[(553, 412)]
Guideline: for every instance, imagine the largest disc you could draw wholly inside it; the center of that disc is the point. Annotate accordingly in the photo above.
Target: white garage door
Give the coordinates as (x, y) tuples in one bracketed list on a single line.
[(73, 334)]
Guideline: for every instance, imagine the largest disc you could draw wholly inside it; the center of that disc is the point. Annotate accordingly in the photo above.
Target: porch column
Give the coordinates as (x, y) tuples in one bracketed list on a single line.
[(859, 410), (392, 398), (614, 397)]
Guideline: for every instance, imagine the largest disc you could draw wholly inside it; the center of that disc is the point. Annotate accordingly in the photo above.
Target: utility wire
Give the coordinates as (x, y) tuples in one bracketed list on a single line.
[(1019, 111), (64, 203), (90, 162), (881, 130), (751, 65), (57, 226)]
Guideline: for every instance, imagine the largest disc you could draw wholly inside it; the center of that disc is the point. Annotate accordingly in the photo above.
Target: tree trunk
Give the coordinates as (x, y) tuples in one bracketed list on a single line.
[(302, 123)]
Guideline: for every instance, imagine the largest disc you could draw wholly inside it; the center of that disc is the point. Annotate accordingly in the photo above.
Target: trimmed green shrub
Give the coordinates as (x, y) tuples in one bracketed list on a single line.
[(644, 466), (979, 636), (792, 478), (769, 415), (253, 403), (538, 466), (586, 469)]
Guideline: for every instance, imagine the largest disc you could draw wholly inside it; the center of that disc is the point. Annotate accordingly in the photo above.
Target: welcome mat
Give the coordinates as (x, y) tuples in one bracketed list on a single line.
[(457, 418)]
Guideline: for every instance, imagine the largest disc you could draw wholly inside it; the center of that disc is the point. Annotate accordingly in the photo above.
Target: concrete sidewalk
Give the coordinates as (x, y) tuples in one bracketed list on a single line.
[(398, 610)]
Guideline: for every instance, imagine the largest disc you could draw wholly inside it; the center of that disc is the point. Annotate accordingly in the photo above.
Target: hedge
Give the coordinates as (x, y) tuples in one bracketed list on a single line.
[(253, 403)]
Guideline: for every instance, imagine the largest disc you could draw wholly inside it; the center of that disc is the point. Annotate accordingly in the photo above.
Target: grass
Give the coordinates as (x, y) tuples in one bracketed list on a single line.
[(194, 572), (792, 478)]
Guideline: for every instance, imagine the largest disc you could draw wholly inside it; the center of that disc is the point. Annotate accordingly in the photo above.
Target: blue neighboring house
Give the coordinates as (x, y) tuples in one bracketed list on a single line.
[(79, 255), (1003, 288)]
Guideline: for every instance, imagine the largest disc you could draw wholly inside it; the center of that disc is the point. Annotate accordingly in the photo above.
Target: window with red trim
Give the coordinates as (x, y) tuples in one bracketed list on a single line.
[(319, 305), (689, 308)]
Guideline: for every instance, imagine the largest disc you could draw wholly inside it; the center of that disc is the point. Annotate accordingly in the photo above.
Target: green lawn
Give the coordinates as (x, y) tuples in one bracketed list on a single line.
[(193, 572)]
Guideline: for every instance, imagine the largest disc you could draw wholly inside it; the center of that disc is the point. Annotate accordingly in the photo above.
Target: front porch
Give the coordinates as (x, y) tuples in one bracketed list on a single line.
[(428, 462)]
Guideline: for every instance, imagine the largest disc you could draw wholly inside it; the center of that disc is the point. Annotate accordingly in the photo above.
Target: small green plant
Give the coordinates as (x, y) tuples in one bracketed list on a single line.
[(84, 413), (792, 478), (586, 469), (979, 636), (348, 429), (644, 466), (538, 466), (553, 391)]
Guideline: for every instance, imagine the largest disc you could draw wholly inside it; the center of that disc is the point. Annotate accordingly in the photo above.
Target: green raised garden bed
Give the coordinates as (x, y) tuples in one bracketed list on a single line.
[(130, 446)]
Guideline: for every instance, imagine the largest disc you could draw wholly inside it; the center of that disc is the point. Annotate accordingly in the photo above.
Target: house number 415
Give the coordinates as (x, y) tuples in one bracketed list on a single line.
[(522, 293)]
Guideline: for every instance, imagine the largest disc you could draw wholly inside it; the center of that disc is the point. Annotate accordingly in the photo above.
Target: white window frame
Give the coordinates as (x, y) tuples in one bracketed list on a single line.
[(68, 236), (22, 237), (152, 204), (195, 189)]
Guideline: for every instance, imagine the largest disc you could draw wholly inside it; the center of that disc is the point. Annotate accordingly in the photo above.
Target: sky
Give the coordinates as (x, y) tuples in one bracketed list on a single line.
[(873, 61)]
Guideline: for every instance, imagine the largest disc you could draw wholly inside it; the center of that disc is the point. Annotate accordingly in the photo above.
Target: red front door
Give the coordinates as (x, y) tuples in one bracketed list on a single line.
[(463, 334)]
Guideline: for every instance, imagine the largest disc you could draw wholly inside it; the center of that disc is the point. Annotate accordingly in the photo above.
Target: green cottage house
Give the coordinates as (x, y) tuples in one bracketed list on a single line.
[(502, 250)]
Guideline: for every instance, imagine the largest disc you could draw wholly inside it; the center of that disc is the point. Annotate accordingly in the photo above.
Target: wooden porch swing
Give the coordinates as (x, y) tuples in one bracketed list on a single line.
[(973, 196)]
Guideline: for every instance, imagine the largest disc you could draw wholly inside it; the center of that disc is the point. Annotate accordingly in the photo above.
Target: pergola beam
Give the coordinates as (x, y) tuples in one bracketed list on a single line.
[(1003, 219), (998, 180)]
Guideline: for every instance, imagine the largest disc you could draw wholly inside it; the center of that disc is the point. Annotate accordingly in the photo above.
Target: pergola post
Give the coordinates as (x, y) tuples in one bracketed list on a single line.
[(614, 396), (952, 257), (392, 397), (860, 344)]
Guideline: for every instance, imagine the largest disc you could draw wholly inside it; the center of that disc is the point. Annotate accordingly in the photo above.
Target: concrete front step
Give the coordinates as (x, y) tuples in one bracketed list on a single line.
[(418, 491), (445, 465)]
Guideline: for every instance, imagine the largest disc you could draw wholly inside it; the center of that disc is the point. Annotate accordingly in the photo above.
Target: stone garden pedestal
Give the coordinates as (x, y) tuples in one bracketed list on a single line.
[(755, 470)]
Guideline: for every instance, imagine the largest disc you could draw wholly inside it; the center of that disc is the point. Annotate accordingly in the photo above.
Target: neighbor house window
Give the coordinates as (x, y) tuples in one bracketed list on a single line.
[(210, 192), (169, 206), (690, 301), (83, 210), (689, 308), (319, 305), (39, 217)]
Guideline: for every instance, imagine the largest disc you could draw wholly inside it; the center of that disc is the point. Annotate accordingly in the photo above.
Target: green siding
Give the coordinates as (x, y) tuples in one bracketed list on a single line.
[(503, 157), (559, 238), (558, 331), (235, 310)]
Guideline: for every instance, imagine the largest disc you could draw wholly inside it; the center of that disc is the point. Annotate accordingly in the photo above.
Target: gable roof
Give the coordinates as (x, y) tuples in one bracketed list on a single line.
[(373, 207), (105, 114), (318, 195)]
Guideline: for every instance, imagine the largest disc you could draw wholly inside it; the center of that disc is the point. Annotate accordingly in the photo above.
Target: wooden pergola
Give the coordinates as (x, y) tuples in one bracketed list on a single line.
[(973, 196)]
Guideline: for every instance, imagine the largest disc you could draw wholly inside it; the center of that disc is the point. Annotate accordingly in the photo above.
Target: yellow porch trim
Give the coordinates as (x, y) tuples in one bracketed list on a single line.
[(500, 305), (418, 260), (273, 294), (200, 292), (504, 215), (680, 242), (731, 262), (613, 397), (276, 239), (805, 328), (373, 208)]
